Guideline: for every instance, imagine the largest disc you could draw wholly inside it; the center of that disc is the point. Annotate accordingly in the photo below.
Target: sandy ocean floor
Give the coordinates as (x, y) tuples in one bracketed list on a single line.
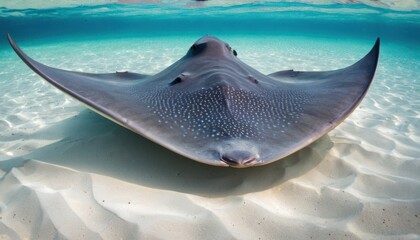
[(68, 173)]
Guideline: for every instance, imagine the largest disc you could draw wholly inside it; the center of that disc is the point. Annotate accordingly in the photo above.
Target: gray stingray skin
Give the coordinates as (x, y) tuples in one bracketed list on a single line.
[(211, 107)]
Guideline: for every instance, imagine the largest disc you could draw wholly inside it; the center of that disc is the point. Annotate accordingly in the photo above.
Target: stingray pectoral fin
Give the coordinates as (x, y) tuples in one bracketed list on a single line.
[(103, 93), (327, 99), (337, 93)]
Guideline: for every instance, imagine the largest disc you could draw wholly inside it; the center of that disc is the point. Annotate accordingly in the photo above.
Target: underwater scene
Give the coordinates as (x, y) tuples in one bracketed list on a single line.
[(66, 172)]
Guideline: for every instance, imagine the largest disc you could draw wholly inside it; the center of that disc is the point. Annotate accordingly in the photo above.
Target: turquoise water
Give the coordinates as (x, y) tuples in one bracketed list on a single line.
[(117, 20)]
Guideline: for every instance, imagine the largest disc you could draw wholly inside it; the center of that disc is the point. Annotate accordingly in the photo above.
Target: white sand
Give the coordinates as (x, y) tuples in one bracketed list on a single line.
[(68, 173)]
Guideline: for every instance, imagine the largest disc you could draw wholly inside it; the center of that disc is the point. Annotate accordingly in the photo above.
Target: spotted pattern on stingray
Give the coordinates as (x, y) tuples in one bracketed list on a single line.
[(222, 112)]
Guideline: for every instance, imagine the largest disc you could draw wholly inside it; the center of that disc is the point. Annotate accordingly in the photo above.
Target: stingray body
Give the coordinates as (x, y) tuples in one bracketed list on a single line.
[(211, 107)]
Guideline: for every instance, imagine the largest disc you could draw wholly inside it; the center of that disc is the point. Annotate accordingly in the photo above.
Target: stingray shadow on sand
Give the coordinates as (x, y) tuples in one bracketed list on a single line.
[(91, 143)]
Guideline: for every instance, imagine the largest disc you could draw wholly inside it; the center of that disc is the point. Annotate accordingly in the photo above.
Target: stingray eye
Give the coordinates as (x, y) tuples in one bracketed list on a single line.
[(177, 80), (197, 48), (235, 53), (252, 79)]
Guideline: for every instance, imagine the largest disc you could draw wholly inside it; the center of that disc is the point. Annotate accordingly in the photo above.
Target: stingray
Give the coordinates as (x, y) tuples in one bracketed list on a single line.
[(213, 108)]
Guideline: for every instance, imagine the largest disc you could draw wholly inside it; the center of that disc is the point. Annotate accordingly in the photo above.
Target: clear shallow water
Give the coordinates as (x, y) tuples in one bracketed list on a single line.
[(374, 156), (119, 20)]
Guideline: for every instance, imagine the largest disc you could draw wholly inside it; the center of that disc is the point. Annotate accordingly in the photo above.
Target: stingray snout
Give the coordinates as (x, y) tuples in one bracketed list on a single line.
[(239, 158)]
